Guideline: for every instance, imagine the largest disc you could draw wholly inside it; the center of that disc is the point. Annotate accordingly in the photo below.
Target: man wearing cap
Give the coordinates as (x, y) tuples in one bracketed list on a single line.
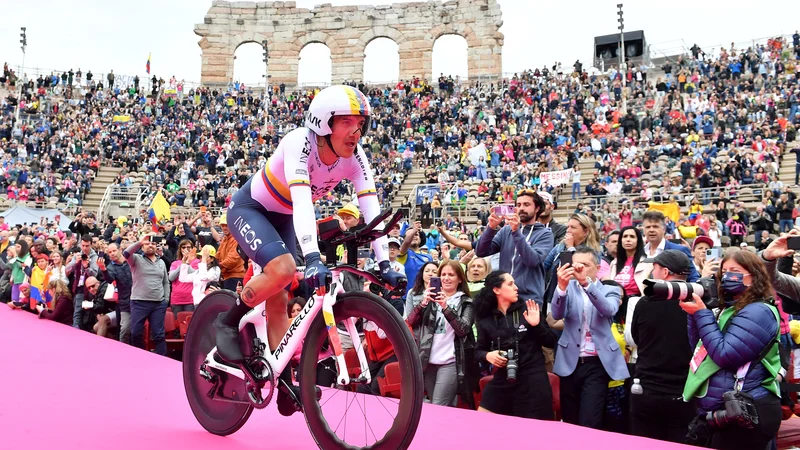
[(394, 252), (700, 246), (348, 216), (546, 218), (230, 261), (658, 329)]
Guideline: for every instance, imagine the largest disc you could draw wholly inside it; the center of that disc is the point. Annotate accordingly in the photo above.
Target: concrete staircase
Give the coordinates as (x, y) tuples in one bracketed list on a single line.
[(414, 178), (565, 203), (787, 168), (105, 177)]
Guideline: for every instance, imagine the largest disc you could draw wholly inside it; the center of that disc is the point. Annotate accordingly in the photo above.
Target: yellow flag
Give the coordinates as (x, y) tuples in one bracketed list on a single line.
[(671, 210), (159, 211)]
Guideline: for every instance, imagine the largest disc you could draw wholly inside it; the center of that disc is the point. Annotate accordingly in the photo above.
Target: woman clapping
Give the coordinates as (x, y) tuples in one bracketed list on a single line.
[(504, 325)]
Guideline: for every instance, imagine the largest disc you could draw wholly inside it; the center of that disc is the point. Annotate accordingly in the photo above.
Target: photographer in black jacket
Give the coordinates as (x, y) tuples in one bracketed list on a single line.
[(511, 335), (658, 328)]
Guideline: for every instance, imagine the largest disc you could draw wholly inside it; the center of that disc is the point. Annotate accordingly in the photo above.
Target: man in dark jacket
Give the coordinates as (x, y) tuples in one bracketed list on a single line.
[(80, 266), (658, 329), (117, 271), (523, 244), (94, 304), (84, 225)]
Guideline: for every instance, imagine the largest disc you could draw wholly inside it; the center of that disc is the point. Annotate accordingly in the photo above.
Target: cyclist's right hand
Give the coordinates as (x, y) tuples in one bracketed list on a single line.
[(316, 273)]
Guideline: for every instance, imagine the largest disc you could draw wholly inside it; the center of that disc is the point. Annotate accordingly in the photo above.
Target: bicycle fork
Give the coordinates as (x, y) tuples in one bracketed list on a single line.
[(343, 378)]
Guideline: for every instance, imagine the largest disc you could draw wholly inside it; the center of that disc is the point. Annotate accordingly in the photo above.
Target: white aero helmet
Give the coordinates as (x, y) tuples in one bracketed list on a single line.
[(337, 100)]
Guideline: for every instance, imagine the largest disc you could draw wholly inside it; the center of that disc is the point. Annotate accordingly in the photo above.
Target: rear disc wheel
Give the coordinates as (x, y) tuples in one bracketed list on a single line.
[(218, 417)]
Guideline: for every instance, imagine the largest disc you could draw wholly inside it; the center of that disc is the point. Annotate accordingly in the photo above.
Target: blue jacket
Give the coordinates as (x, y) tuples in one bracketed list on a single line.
[(522, 254), (748, 333), (694, 276), (569, 306)]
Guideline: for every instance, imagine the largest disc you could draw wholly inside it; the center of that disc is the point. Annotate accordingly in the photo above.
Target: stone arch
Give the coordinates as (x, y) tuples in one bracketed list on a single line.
[(237, 40), (316, 37), (378, 32), (460, 29), (346, 30)]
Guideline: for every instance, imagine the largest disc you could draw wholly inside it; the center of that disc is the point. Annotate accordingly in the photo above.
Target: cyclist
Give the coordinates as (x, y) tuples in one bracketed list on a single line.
[(277, 204)]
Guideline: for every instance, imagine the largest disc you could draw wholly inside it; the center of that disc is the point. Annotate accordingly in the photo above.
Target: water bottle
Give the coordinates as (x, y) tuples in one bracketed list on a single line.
[(636, 388)]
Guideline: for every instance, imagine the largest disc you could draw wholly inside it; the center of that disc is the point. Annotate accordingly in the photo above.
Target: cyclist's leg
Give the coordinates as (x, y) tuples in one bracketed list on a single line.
[(253, 228)]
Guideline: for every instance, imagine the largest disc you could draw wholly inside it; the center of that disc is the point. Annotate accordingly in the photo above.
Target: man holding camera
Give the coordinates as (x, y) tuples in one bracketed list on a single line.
[(523, 244), (588, 356), (658, 328), (85, 225), (81, 266), (149, 292)]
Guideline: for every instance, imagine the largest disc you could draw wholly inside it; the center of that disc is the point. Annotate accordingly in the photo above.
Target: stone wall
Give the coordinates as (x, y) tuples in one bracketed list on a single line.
[(347, 30)]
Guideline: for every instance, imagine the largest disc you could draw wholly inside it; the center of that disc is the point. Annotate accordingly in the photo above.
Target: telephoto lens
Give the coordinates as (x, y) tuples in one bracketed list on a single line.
[(511, 366)]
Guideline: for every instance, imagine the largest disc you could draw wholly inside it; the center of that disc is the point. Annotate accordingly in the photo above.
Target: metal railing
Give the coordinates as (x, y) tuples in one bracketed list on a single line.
[(133, 195), (700, 194)]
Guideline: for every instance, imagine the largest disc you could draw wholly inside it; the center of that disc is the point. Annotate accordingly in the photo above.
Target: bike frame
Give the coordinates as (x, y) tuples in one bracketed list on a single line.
[(298, 329)]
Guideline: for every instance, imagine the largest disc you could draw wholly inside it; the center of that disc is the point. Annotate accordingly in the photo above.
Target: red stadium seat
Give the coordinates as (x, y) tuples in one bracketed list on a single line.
[(170, 326), (392, 380), (555, 386), (184, 319)]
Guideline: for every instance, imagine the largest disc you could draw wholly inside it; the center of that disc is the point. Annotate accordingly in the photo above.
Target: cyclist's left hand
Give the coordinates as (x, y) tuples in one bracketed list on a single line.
[(389, 275)]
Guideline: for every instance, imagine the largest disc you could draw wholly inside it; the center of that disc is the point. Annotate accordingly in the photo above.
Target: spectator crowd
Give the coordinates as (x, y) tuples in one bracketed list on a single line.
[(522, 299)]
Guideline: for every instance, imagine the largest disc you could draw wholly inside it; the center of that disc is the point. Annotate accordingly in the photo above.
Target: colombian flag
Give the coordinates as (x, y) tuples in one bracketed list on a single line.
[(159, 211), (148, 63)]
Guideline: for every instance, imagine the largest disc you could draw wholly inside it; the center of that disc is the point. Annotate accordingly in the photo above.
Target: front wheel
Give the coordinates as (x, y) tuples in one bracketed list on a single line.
[(368, 414)]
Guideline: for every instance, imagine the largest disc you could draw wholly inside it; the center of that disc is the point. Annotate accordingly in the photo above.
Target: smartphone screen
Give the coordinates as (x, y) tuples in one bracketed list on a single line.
[(793, 243), (503, 210), (436, 284), (565, 258), (713, 254)]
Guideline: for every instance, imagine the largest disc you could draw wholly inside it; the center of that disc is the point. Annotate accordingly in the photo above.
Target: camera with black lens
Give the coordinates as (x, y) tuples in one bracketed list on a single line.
[(740, 411), (705, 288), (512, 365)]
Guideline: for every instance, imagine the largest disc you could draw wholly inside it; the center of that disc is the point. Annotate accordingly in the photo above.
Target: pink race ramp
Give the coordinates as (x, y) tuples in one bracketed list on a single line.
[(65, 389)]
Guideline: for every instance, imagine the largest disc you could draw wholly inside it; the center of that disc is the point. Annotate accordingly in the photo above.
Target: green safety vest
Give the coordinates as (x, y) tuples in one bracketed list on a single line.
[(697, 382)]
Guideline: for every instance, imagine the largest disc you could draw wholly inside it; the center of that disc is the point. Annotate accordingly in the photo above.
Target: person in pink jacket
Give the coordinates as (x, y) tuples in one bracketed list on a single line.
[(181, 297)]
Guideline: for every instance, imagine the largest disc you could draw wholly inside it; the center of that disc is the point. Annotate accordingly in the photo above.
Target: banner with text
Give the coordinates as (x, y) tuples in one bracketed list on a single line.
[(556, 178), (427, 190)]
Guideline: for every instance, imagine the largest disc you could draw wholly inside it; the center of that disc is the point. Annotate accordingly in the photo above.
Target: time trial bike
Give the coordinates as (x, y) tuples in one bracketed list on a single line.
[(222, 396)]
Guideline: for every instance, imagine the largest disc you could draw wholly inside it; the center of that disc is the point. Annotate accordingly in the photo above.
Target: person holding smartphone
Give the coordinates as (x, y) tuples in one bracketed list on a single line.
[(523, 244), (149, 292), (443, 321)]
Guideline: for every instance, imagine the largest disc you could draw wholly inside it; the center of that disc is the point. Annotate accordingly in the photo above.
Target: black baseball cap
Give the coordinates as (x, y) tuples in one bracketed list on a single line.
[(675, 260)]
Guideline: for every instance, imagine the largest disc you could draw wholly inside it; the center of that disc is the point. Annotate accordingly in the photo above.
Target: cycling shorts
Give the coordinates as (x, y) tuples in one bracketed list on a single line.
[(263, 235)]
